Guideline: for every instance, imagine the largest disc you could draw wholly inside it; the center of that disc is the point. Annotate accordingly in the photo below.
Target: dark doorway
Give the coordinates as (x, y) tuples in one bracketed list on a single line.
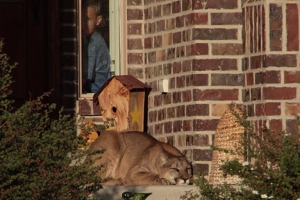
[(30, 29)]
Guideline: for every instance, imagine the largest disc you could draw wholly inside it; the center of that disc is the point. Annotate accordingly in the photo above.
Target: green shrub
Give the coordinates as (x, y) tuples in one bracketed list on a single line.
[(271, 172), (39, 155)]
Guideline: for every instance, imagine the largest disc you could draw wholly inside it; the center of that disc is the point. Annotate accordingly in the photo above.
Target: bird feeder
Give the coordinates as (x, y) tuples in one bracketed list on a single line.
[(125, 99)]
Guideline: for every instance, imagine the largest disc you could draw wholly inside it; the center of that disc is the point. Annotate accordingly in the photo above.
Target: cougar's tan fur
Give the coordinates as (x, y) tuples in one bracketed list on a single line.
[(135, 158)]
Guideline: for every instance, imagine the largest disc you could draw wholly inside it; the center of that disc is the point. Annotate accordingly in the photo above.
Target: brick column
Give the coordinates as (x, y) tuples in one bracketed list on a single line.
[(271, 62)]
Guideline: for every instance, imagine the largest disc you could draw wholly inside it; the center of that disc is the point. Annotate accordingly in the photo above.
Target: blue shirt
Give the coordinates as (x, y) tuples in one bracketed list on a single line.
[(98, 62)]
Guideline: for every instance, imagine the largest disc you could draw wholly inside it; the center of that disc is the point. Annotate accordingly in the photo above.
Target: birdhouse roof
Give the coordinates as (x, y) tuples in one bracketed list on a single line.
[(129, 81)]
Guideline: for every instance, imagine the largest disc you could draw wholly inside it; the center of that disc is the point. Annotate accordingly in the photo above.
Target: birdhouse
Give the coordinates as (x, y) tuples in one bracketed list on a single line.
[(124, 99)]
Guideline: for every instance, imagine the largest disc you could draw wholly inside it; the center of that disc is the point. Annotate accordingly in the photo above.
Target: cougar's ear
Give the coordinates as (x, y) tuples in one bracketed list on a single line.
[(162, 159)]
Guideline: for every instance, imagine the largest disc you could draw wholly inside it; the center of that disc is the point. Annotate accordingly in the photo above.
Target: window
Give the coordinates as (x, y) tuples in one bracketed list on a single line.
[(99, 44)]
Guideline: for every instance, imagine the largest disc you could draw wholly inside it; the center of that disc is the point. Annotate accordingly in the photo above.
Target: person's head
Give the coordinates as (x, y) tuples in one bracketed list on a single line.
[(92, 16)]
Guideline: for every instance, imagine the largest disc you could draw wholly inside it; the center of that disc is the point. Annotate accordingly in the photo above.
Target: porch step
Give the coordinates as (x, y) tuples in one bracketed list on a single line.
[(159, 192)]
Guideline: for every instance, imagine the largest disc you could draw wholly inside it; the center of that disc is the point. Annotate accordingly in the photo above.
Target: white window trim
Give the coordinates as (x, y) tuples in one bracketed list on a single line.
[(114, 46)]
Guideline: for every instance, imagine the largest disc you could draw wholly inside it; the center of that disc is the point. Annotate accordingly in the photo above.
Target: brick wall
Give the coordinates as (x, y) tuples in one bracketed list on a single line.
[(69, 54), (271, 63), (212, 53), (197, 46)]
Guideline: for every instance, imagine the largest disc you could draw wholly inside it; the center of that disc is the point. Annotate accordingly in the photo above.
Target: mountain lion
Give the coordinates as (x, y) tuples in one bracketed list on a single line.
[(136, 158)]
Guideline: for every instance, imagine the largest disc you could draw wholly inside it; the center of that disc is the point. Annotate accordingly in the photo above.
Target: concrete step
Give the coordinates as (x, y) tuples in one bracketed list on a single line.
[(159, 192)]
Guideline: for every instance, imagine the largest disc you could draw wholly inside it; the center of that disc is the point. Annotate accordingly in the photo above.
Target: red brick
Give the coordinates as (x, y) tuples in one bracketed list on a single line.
[(134, 29), (180, 52), (259, 110), (84, 107), (161, 26), (158, 100), (215, 34), (227, 49), (222, 4), (151, 58), (176, 97), (275, 27), (215, 94), (177, 126), (134, 2), (286, 60), (214, 64), (196, 19), (177, 37), (170, 140), (168, 127), (186, 65), (275, 125), (292, 127), (172, 83), (255, 94), (135, 44), (227, 80), (292, 77), (200, 18), (148, 13), (196, 4), (205, 125), (147, 43), (226, 18), (197, 80), (245, 95), (157, 11), (250, 79), (167, 99), (96, 109), (197, 110), (157, 41), (177, 68), (180, 82), (134, 14), (272, 109), (279, 93), (171, 113), (292, 23), (158, 129), (167, 69), (187, 96), (170, 24), (152, 116), (197, 49), (180, 111), (292, 108), (161, 114), (256, 62), (272, 77), (197, 140), (202, 155), (180, 21), (187, 125), (167, 9), (186, 5), (176, 6), (170, 53)]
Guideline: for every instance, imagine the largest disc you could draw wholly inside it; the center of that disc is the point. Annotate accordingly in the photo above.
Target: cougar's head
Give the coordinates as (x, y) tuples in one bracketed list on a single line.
[(177, 170)]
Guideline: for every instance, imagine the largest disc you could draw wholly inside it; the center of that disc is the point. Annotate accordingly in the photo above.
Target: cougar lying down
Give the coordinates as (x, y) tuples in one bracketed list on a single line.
[(136, 158)]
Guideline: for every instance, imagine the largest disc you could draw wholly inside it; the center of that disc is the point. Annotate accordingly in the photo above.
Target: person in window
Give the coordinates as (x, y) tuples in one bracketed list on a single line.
[(98, 59)]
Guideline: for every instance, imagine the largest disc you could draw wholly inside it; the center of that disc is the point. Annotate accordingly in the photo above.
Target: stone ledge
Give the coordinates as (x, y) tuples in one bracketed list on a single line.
[(159, 192)]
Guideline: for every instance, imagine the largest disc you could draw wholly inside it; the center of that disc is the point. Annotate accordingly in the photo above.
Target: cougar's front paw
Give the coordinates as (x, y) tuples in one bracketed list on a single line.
[(162, 181)]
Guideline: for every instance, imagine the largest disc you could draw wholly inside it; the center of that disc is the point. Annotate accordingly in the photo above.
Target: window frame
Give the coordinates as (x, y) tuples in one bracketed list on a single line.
[(114, 44)]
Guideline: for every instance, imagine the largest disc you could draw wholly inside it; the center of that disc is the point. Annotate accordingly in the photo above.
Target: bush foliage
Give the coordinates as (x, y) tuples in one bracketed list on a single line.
[(271, 172), (39, 155)]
